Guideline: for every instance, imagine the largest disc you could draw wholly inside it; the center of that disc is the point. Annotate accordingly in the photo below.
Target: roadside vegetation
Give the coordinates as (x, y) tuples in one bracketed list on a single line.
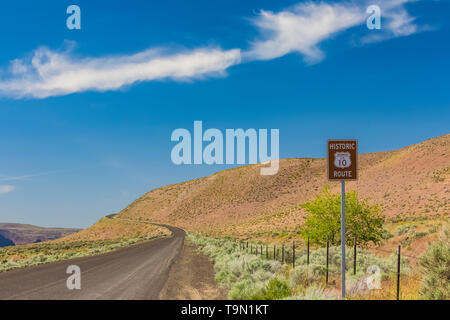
[(247, 275), (250, 276), (435, 263), (105, 236), (363, 220)]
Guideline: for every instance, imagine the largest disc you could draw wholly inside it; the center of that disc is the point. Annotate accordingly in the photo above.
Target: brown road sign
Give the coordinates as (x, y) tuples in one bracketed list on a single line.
[(342, 159)]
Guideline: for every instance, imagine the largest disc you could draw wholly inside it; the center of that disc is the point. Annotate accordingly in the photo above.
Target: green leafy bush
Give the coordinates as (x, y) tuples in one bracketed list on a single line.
[(363, 220)]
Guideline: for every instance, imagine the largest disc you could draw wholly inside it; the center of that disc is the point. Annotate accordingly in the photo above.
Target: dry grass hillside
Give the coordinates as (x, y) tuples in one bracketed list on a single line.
[(113, 229), (410, 182)]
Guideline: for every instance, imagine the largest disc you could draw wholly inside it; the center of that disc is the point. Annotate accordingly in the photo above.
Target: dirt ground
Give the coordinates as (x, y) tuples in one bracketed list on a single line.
[(192, 278)]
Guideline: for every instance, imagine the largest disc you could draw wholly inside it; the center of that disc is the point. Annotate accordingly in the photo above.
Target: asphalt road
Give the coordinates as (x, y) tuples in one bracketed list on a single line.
[(136, 272)]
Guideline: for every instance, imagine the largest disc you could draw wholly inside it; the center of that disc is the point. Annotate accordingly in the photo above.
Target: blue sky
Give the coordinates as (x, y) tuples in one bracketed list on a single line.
[(78, 149)]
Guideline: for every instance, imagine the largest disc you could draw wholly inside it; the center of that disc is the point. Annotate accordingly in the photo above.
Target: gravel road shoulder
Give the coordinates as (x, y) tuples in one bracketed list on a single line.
[(192, 278)]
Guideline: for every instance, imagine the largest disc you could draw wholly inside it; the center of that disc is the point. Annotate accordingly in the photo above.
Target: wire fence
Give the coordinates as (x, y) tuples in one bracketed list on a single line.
[(287, 254)]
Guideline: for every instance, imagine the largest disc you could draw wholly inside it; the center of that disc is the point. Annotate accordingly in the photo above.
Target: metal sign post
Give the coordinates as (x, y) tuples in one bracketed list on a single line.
[(342, 166), (343, 238)]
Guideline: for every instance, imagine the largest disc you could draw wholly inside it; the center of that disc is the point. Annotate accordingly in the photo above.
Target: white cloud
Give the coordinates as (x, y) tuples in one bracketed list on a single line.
[(303, 27), (17, 67), (401, 23), (396, 22), (50, 73), (6, 189)]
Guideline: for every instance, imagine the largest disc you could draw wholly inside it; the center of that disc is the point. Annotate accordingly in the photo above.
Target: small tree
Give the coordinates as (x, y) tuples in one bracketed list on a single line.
[(324, 218)]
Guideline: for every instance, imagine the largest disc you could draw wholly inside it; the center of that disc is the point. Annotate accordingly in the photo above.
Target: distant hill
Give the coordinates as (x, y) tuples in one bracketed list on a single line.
[(15, 233), (410, 182)]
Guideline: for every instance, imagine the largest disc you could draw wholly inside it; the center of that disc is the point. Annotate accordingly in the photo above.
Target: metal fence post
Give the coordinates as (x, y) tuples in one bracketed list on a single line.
[(328, 249), (354, 256), (307, 254), (398, 272), (282, 255), (293, 253), (274, 248)]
